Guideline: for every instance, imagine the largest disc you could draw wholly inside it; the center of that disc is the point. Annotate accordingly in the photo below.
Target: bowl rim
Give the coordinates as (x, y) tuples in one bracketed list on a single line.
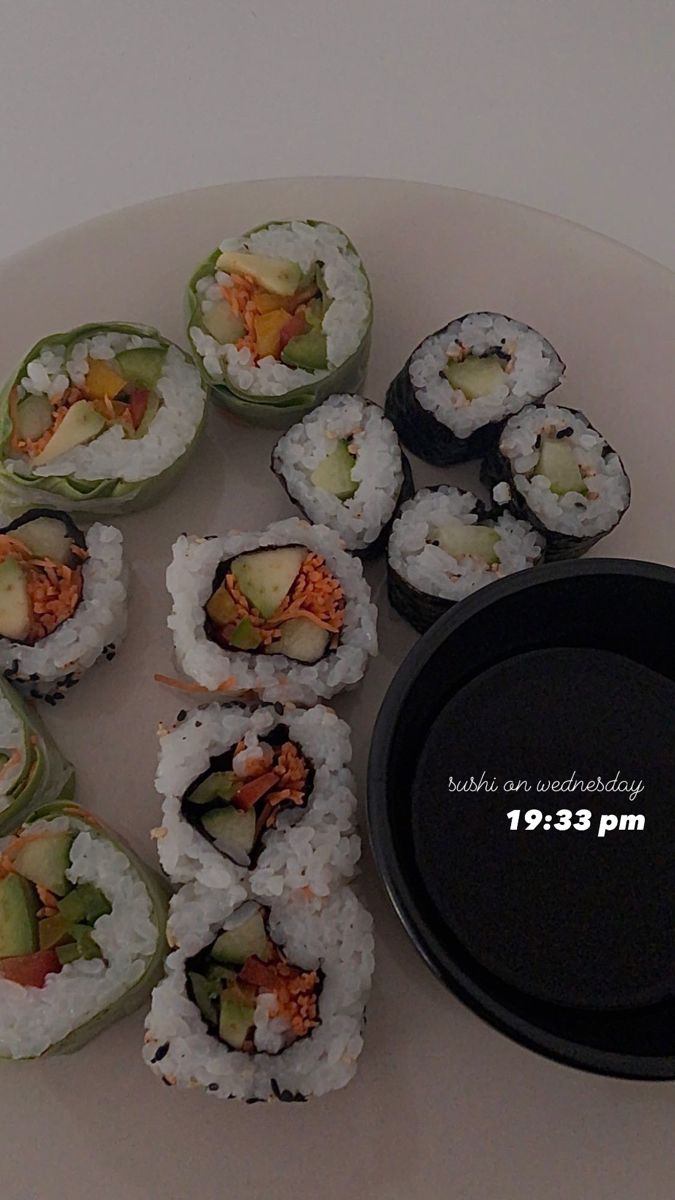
[(451, 975)]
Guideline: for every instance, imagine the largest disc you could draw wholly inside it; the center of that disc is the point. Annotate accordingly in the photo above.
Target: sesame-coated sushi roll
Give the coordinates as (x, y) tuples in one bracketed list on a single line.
[(62, 600), (285, 612), (551, 467), (33, 771), (280, 318), (461, 382), (82, 923), (445, 545), (343, 466), (262, 1003), (258, 797), (98, 420)]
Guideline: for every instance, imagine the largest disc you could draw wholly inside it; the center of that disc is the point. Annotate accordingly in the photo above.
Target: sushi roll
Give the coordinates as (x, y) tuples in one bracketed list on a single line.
[(445, 545), (462, 381), (280, 318), (551, 467), (98, 420), (260, 797), (82, 932), (285, 612), (62, 600), (32, 769), (342, 465), (264, 1002)]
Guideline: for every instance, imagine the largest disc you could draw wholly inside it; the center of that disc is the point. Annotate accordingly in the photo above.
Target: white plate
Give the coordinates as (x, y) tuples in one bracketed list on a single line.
[(442, 1105)]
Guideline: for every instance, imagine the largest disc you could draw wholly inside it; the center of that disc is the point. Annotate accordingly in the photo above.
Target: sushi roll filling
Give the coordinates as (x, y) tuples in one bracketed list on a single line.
[(249, 995), (41, 580), (240, 796), (276, 600), (568, 475), (46, 921)]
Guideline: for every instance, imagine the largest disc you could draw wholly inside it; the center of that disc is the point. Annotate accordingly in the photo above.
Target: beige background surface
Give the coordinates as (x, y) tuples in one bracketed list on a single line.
[(442, 1106)]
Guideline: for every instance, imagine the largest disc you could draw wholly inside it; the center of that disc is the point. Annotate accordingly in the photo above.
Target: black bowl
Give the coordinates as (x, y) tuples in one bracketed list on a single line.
[(561, 935)]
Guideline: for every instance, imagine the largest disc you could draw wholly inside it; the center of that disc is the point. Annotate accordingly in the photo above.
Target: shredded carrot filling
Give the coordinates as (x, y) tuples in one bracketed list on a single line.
[(294, 991), (248, 301), (54, 589), (291, 770)]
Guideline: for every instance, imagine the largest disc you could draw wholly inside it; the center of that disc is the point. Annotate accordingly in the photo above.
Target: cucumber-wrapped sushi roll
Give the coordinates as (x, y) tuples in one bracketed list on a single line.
[(32, 769), (263, 1002), (82, 924), (98, 420), (279, 318), (553, 468), (285, 612), (62, 600), (259, 796), (445, 545), (343, 466), (462, 381)]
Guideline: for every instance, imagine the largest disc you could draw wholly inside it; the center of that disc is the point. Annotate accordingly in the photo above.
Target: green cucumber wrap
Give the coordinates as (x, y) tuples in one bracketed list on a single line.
[(126, 910), (279, 411), (33, 770), (22, 489)]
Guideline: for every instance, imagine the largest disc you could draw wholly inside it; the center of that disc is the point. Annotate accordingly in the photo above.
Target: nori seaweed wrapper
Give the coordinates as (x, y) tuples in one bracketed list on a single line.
[(497, 468)]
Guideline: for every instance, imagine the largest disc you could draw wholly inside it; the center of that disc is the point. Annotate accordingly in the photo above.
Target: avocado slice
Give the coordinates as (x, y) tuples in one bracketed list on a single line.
[(232, 830), (476, 541), (44, 860), (15, 608), (85, 903), (557, 462), (205, 994), (266, 576), (334, 472), (33, 417), (221, 608), (223, 323), (474, 375), (81, 423), (220, 785), (53, 931), (307, 350), (86, 944), (245, 636), (68, 953), (300, 639), (103, 380), (142, 365), (315, 312), (18, 921), (248, 939), (278, 275), (237, 1016)]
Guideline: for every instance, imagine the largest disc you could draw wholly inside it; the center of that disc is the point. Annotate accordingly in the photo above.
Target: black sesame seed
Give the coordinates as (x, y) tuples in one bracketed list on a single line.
[(35, 694), (161, 1052), (214, 1087), (182, 715), (566, 432), (58, 696), (167, 1081), (34, 677), (198, 724)]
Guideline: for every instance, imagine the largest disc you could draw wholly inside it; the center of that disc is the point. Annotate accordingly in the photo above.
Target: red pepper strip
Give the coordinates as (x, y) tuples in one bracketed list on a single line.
[(254, 790), (30, 970)]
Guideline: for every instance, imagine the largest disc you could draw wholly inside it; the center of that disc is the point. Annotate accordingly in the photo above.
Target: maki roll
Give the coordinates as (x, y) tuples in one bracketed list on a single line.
[(342, 465), (285, 612), (32, 769), (445, 545), (260, 796), (553, 468), (82, 924), (460, 382), (262, 1003), (98, 420), (62, 600), (279, 318)]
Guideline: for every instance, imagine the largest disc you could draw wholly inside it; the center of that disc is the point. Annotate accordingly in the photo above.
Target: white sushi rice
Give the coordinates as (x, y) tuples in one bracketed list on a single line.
[(335, 936), (34, 1019), (428, 567), (99, 621), (378, 469), (534, 370), (111, 455), (608, 489), (274, 677), (315, 846), (344, 324), (12, 741)]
